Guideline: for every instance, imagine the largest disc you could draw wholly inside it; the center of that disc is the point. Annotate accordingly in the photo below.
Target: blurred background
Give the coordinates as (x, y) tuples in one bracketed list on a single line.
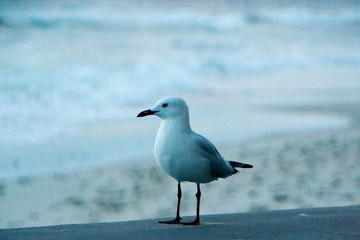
[(275, 84)]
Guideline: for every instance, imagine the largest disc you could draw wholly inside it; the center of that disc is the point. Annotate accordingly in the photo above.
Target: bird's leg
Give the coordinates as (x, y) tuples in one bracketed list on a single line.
[(197, 219), (177, 220)]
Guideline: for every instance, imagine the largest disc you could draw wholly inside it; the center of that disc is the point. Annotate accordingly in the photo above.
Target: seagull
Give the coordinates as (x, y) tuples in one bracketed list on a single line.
[(185, 155)]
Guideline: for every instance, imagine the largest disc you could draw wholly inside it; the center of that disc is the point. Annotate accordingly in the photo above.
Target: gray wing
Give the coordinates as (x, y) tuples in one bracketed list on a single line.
[(218, 166)]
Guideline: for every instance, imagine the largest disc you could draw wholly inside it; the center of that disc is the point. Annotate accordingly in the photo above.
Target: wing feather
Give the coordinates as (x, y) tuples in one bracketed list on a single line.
[(218, 166)]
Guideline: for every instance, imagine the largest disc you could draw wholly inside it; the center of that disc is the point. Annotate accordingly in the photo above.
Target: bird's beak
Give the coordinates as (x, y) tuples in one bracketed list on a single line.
[(146, 113)]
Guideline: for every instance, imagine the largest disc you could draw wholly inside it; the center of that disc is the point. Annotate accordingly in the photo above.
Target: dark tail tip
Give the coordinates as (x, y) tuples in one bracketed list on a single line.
[(240, 165), (247, 165)]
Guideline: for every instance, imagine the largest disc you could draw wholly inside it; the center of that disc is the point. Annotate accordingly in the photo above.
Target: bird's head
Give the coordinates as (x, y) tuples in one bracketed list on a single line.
[(168, 108)]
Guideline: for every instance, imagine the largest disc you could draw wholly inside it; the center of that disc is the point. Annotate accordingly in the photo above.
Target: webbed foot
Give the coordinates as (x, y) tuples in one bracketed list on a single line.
[(174, 221)]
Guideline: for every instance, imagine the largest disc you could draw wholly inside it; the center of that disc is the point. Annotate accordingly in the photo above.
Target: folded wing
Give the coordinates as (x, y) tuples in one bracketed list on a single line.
[(219, 167)]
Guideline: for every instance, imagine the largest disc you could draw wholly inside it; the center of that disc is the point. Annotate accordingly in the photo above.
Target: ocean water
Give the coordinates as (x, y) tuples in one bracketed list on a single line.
[(66, 64)]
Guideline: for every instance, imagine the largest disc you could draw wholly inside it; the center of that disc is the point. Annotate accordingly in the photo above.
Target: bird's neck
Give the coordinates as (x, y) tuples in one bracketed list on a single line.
[(180, 124)]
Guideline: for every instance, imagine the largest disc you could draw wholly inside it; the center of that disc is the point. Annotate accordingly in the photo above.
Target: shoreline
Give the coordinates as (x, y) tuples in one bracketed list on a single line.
[(225, 116), (114, 142)]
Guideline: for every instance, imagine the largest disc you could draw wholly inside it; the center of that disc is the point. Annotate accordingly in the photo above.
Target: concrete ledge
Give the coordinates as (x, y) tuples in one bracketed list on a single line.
[(319, 223)]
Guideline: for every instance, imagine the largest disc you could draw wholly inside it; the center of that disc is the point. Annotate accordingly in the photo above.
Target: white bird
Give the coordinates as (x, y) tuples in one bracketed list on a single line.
[(184, 154)]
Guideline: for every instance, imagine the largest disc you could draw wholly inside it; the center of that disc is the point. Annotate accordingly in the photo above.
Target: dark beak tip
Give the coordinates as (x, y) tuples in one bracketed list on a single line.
[(146, 113), (141, 115)]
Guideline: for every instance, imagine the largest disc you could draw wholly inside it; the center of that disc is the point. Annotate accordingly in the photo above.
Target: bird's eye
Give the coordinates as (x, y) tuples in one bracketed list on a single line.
[(165, 105)]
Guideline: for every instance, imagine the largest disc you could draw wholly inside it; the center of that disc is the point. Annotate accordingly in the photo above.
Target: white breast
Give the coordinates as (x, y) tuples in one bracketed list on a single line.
[(176, 155)]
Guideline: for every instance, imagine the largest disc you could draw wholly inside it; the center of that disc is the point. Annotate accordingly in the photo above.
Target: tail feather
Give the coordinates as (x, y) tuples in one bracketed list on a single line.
[(240, 165)]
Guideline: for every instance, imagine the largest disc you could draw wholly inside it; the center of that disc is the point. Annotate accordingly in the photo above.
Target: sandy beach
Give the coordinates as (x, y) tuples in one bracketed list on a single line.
[(301, 171), (318, 167)]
